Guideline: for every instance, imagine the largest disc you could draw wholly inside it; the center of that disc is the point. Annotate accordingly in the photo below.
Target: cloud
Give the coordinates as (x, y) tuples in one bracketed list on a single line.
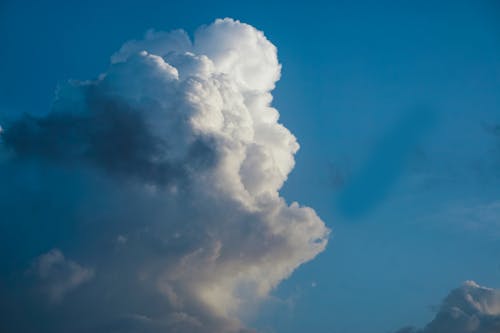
[(476, 217), (108, 133), (468, 309), (163, 175), (58, 275)]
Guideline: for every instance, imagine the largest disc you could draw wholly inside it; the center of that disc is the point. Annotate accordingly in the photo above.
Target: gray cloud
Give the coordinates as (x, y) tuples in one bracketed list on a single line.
[(163, 176), (108, 133), (58, 275), (468, 309)]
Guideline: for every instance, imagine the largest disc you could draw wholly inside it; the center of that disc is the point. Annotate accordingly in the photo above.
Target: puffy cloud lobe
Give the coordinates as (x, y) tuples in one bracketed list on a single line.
[(59, 275), (468, 309), (187, 138)]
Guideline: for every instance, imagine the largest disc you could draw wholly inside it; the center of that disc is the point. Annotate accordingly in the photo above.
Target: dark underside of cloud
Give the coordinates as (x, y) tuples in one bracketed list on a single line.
[(147, 200), (110, 134)]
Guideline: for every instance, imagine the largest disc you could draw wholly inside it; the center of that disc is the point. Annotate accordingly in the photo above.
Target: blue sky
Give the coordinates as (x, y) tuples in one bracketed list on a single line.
[(396, 107)]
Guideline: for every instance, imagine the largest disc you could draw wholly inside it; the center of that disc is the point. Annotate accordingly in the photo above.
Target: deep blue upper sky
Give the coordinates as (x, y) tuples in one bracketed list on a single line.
[(396, 106)]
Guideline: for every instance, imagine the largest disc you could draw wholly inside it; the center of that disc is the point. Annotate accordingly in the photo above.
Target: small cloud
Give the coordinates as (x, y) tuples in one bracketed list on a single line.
[(59, 275), (479, 217), (470, 308), (120, 239)]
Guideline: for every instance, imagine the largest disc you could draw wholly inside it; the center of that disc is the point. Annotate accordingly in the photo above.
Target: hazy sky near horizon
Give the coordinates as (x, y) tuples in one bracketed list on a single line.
[(396, 107)]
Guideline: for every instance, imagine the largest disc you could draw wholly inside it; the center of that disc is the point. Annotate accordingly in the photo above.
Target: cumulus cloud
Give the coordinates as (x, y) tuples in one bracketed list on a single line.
[(166, 170), (468, 309)]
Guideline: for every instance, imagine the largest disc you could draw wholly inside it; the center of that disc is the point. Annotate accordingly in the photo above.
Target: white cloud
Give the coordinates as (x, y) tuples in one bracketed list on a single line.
[(186, 132), (468, 309)]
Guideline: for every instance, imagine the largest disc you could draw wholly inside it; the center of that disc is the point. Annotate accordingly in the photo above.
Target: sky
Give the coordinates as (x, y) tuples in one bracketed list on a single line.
[(107, 196)]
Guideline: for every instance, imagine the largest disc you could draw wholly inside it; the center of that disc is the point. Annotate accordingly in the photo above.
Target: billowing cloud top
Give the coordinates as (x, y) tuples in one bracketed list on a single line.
[(468, 309), (181, 157)]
